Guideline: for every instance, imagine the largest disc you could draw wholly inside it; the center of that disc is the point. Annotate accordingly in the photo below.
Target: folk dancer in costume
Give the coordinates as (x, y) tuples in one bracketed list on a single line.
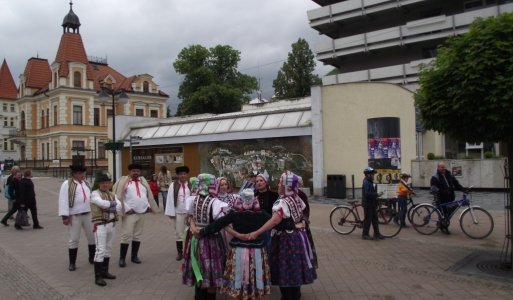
[(247, 274), (224, 193), (75, 210), (178, 191), (291, 257), (136, 200), (266, 199), (204, 258), (104, 213)]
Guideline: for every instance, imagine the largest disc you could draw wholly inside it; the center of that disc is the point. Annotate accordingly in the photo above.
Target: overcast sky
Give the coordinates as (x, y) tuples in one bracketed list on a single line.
[(145, 36)]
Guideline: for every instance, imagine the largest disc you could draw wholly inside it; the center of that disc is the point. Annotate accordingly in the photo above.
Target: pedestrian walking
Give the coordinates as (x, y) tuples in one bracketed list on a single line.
[(28, 197), (369, 203), (12, 191)]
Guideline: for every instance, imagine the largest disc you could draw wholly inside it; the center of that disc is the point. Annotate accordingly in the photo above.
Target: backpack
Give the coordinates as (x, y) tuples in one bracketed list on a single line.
[(7, 194)]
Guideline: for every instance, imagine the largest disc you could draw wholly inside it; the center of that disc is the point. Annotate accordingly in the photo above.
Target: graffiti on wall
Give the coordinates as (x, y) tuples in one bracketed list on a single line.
[(236, 160)]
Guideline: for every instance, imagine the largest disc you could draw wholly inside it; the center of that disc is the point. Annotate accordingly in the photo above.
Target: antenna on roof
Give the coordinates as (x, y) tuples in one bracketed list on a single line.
[(259, 88)]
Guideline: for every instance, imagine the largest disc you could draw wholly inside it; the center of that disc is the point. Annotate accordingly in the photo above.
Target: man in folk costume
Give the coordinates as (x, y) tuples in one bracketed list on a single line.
[(291, 256), (178, 191), (136, 200), (104, 213), (75, 210), (204, 258)]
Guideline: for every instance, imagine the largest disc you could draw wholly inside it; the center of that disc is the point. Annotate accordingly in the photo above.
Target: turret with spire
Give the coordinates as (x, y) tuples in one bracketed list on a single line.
[(71, 21)]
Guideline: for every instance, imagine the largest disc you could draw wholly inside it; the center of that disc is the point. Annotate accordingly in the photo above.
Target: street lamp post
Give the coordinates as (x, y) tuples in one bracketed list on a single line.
[(105, 95)]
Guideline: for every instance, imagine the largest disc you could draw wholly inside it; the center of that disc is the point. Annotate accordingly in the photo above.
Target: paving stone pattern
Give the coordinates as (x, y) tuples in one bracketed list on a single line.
[(33, 263)]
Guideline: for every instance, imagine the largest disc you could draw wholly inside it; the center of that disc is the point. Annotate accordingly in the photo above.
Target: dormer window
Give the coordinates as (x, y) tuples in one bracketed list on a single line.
[(77, 79), (146, 87)]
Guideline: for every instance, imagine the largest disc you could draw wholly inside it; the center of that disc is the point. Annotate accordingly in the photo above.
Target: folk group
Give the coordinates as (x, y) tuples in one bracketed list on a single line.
[(237, 244)]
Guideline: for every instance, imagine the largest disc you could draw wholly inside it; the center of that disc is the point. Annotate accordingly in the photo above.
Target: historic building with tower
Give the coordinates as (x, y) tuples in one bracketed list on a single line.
[(62, 111)]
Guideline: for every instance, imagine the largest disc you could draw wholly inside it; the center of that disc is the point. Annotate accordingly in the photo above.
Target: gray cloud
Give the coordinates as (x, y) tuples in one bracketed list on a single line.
[(145, 36)]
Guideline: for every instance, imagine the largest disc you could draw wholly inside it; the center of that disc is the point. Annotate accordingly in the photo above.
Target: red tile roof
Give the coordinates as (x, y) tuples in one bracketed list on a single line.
[(71, 49), (37, 73), (101, 71), (8, 88)]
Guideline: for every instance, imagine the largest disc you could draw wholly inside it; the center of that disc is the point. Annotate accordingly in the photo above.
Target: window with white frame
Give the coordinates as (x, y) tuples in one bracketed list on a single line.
[(13, 108), (5, 106), (77, 115)]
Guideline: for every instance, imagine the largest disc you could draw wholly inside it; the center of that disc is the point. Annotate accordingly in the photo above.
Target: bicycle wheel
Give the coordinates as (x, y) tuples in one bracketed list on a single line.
[(476, 223), (343, 219), (389, 229), (426, 219), (386, 213), (410, 212)]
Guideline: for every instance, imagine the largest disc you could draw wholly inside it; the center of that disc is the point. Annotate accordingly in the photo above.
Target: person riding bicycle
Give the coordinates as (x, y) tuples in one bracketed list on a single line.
[(443, 185), (403, 192), (369, 203)]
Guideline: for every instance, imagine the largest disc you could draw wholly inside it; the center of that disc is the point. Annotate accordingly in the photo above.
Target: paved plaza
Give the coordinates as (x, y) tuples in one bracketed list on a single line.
[(33, 264)]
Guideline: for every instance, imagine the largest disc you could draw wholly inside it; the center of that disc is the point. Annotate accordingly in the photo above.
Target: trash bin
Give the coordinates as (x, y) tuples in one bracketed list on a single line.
[(336, 186)]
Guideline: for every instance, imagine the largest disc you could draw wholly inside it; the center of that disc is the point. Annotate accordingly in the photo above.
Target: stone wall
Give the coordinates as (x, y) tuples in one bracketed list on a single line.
[(481, 173)]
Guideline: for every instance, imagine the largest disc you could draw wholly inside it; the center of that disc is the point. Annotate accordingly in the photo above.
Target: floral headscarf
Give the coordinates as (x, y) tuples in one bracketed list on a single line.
[(247, 201), (289, 183), (194, 185), (228, 189), (207, 184)]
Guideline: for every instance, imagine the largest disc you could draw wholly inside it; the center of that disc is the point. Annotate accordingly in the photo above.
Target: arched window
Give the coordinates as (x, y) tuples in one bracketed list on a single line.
[(146, 87), (77, 79), (22, 120)]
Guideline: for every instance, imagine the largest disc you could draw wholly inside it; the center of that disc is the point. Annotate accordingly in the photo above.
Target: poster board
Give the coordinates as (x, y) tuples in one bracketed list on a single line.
[(389, 190)]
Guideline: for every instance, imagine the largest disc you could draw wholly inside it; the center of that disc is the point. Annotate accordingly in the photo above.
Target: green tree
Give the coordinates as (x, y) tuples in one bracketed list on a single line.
[(467, 92), (212, 83), (296, 76)]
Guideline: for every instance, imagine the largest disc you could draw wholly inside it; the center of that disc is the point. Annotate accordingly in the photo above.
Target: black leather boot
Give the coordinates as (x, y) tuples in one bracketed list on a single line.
[(179, 250), (72, 258), (106, 274), (92, 251), (123, 249), (98, 270), (135, 251)]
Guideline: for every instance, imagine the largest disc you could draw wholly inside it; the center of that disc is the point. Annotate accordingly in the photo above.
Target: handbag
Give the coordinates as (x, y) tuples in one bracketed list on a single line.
[(22, 217)]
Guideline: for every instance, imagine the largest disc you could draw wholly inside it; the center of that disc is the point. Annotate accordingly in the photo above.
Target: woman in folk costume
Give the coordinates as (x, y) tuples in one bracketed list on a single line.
[(204, 258), (224, 193), (247, 274), (291, 255)]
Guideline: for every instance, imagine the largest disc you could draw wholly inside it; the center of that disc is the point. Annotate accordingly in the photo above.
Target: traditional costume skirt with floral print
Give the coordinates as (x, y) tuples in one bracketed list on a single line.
[(291, 259), (209, 259), (247, 274)]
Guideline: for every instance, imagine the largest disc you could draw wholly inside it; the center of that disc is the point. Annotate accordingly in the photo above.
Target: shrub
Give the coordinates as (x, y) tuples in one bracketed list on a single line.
[(489, 154), (430, 156)]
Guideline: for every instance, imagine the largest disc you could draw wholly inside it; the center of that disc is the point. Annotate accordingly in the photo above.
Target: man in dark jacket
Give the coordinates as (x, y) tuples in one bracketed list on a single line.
[(369, 203), (443, 185), (28, 197)]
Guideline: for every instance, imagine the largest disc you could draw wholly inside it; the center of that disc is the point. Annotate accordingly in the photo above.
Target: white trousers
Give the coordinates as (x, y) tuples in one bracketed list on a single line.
[(78, 222), (180, 224), (104, 237), (132, 228)]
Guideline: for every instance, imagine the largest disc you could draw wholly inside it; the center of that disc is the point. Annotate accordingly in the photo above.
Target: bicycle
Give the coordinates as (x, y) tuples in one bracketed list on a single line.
[(344, 219), (475, 222), (390, 209)]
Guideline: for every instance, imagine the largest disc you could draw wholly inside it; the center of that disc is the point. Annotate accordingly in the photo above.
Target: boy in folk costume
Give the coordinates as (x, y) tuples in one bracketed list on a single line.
[(247, 274), (204, 258), (136, 200), (104, 213), (75, 210)]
